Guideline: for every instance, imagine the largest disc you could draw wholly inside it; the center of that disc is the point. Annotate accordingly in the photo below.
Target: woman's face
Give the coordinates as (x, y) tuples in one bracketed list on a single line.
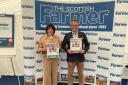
[(50, 31)]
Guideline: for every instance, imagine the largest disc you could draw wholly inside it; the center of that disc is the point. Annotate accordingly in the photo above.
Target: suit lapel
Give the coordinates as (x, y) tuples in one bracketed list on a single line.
[(79, 35), (70, 34)]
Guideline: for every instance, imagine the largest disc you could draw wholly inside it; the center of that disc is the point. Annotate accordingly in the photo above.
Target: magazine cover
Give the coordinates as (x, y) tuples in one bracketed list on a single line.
[(52, 50), (76, 44)]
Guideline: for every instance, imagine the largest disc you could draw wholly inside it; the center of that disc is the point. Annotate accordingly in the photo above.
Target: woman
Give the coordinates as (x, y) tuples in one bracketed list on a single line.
[(50, 66)]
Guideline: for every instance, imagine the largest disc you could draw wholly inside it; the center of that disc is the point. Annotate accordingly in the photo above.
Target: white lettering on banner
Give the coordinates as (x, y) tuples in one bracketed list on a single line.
[(116, 65), (121, 13), (88, 69), (118, 45), (117, 55), (104, 49), (85, 27), (102, 67), (120, 24), (28, 48), (119, 35), (28, 38), (28, 57), (61, 26), (122, 1), (85, 16), (29, 67), (115, 75), (43, 25), (28, 28), (103, 58), (92, 27), (104, 39), (28, 6), (102, 26), (72, 9), (27, 17)]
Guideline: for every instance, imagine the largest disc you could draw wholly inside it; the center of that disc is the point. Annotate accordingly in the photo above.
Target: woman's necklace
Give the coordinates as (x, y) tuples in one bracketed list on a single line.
[(51, 38)]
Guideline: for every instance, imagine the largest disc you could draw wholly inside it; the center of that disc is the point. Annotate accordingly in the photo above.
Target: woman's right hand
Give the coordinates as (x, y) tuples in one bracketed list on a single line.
[(44, 49)]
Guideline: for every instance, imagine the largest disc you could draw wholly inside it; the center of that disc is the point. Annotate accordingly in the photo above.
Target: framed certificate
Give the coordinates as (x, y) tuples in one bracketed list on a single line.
[(75, 44), (6, 31), (52, 50), (7, 46)]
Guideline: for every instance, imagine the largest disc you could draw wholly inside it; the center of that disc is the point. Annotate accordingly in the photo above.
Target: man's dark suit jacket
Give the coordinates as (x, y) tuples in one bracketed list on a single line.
[(66, 45)]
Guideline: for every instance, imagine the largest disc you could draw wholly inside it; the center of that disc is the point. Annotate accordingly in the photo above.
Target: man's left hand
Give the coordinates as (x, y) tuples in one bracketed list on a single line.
[(82, 51)]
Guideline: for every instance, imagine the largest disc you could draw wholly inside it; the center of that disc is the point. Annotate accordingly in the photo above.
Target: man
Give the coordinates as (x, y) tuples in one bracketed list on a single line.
[(75, 59)]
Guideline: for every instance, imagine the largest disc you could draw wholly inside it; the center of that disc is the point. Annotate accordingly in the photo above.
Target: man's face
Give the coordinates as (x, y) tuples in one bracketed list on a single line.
[(74, 26)]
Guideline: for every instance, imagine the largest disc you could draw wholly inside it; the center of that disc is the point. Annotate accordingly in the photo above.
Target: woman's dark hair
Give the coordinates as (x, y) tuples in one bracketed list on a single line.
[(52, 26)]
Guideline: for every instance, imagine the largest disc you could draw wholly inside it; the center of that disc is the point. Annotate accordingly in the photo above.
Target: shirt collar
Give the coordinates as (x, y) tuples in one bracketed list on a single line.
[(74, 32)]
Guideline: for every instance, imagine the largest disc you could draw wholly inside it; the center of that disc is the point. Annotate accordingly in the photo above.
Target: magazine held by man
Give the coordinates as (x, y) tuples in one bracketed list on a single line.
[(75, 44)]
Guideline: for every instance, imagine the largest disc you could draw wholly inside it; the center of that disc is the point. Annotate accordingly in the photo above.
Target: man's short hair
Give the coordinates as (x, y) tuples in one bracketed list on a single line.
[(74, 21)]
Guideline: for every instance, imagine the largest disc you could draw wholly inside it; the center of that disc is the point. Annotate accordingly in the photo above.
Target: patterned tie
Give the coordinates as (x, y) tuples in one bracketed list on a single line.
[(75, 35)]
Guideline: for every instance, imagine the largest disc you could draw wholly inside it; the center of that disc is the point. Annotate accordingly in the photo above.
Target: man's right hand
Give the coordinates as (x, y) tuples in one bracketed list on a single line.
[(69, 51), (44, 49)]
